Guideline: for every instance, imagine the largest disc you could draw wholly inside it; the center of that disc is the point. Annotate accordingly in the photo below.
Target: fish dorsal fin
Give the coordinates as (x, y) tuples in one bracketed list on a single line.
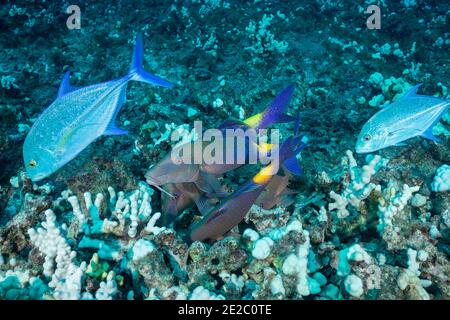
[(232, 123), (412, 92), (249, 187), (65, 86)]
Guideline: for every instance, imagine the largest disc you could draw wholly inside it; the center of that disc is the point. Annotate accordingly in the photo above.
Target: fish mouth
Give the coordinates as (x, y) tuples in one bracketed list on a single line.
[(156, 184), (37, 177), (153, 181), (364, 150), (359, 150)]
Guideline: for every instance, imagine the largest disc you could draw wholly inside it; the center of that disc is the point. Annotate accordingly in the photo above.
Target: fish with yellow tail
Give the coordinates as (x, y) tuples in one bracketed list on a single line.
[(232, 210), (168, 171), (173, 179)]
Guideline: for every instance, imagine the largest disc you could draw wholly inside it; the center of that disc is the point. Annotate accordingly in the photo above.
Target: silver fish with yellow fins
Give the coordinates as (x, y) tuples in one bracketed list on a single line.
[(77, 117)]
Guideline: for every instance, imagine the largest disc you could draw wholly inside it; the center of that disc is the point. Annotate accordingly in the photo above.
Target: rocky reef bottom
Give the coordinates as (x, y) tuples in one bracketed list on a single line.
[(372, 231)]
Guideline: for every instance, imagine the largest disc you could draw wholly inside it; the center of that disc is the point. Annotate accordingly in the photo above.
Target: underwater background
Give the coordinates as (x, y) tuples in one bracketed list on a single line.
[(362, 226)]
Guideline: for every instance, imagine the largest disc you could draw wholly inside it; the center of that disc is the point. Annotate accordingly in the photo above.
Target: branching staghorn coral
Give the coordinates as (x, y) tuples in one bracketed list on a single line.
[(111, 237), (128, 216), (292, 267), (60, 264), (59, 259), (358, 187), (127, 213)]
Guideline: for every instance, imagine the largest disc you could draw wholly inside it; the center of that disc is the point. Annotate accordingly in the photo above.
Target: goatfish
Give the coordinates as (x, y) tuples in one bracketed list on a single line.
[(204, 175), (184, 196), (231, 211), (174, 179), (78, 116), (274, 113), (410, 116), (276, 192)]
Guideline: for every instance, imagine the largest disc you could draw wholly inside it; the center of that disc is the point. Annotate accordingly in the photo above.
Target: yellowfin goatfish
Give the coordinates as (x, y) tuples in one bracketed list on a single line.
[(77, 117), (410, 116), (231, 211), (183, 184), (167, 171)]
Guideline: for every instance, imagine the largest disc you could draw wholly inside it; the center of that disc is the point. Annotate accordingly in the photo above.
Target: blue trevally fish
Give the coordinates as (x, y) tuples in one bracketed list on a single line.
[(410, 116), (77, 117)]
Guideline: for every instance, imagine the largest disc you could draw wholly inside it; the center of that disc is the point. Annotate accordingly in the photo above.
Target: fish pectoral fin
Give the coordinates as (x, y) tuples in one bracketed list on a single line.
[(169, 209), (70, 133), (208, 183), (203, 205), (113, 130), (428, 134), (401, 144)]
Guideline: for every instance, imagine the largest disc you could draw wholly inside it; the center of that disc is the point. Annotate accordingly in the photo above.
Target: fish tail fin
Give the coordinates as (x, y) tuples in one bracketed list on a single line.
[(288, 154), (275, 112), (286, 157), (137, 70)]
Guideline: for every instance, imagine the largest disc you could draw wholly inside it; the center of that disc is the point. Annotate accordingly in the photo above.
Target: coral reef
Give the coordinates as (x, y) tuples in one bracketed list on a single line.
[(360, 227)]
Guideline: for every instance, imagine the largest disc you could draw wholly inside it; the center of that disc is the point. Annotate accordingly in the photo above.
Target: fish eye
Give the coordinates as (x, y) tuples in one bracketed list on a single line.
[(367, 137), (32, 163)]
